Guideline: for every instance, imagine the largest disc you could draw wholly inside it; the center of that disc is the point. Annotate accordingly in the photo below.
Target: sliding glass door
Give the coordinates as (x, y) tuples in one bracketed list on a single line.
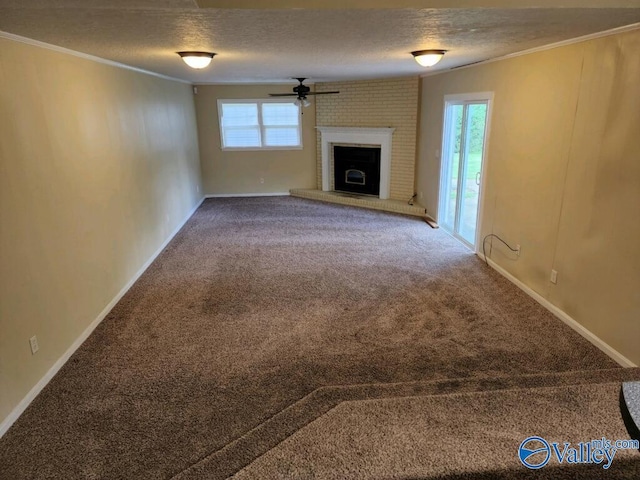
[(463, 147)]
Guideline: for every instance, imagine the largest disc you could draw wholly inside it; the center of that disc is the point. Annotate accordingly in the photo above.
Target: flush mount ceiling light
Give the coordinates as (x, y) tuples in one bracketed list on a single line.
[(428, 58), (197, 60)]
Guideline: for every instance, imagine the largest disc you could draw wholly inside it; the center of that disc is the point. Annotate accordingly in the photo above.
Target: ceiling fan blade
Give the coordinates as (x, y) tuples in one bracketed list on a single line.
[(283, 94), (321, 93)]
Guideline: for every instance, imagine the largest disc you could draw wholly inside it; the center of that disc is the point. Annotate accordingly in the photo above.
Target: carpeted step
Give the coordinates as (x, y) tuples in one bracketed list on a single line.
[(457, 435), (241, 452)]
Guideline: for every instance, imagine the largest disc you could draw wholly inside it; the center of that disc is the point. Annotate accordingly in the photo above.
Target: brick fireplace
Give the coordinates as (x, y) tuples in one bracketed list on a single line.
[(353, 118), (372, 104)]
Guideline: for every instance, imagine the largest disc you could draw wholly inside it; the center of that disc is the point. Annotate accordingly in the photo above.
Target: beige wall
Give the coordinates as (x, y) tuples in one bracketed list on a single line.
[(234, 172), (98, 165), (563, 175), (376, 103)]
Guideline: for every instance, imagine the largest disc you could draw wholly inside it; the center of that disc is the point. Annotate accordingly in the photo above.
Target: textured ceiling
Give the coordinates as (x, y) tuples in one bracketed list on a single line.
[(272, 45)]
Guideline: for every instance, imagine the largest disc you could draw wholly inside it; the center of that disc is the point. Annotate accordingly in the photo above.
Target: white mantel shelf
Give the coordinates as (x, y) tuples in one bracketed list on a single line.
[(358, 135)]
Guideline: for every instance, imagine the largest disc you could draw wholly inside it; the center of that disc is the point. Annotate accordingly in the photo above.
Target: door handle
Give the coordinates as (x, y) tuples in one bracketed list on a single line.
[(478, 178)]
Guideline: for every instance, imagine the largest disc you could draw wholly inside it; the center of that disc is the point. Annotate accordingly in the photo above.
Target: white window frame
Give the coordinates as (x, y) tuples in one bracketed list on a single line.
[(262, 127)]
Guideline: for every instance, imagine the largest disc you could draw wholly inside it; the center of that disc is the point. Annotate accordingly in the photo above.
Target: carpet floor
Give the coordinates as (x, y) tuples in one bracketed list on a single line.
[(254, 305), (449, 436)]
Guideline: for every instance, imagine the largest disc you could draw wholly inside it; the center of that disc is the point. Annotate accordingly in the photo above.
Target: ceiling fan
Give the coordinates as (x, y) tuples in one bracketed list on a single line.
[(301, 91)]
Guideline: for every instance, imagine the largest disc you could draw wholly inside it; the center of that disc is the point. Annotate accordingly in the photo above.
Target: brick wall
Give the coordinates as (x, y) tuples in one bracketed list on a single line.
[(376, 103)]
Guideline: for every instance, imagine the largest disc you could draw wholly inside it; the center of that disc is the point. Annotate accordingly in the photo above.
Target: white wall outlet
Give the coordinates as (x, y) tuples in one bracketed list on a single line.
[(262, 180), (518, 250), (554, 276), (33, 342), (420, 195)]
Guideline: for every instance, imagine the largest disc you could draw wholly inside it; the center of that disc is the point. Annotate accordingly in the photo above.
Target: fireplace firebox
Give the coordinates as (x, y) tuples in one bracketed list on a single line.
[(357, 169)]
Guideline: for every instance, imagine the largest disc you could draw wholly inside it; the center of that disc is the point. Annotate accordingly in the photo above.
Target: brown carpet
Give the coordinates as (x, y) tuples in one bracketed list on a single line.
[(269, 434), (452, 435), (254, 305)]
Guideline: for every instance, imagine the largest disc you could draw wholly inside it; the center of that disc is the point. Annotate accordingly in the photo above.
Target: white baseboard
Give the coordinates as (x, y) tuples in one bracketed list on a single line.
[(239, 195), (596, 341), (33, 393)]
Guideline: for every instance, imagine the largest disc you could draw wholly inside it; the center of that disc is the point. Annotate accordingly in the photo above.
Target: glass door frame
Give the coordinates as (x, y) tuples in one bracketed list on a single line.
[(464, 99)]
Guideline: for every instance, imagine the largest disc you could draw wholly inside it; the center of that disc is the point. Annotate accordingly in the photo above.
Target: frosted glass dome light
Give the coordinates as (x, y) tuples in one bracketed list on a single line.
[(428, 58), (197, 60)]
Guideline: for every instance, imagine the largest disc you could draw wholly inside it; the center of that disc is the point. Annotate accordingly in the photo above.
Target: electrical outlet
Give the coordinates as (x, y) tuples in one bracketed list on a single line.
[(33, 342), (518, 250), (420, 195), (262, 180), (554, 276)]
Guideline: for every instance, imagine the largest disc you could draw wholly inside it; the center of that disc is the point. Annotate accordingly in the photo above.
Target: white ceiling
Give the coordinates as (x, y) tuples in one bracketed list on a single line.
[(266, 44)]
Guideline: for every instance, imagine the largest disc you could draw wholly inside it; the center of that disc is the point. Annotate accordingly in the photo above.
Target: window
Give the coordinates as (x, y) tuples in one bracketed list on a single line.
[(259, 125)]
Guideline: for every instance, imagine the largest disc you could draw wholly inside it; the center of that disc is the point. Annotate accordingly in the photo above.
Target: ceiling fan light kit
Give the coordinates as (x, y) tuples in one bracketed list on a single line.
[(428, 58), (197, 60), (302, 102)]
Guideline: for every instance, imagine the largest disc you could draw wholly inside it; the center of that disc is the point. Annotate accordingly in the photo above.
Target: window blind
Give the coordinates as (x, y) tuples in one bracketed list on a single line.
[(259, 124)]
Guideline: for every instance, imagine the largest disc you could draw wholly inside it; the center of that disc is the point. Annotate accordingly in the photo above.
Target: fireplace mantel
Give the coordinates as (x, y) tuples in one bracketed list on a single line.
[(362, 136)]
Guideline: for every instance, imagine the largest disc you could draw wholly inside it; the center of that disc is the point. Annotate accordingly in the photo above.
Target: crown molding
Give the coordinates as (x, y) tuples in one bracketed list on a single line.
[(85, 56), (563, 43)]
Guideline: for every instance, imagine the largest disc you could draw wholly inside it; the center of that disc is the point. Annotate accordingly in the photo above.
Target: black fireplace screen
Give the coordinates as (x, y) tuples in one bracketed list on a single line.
[(357, 169)]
